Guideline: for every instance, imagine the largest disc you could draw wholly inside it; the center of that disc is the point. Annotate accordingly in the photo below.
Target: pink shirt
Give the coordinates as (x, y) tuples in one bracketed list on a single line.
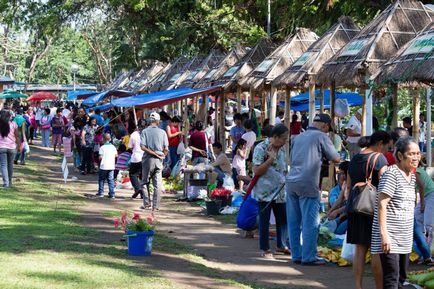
[(8, 142)]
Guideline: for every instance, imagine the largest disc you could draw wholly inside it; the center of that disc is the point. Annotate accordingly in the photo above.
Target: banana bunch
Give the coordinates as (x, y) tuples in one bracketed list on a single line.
[(333, 255)]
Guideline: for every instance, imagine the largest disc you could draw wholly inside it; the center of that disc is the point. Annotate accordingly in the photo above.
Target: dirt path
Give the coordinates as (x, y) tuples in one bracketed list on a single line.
[(225, 254)]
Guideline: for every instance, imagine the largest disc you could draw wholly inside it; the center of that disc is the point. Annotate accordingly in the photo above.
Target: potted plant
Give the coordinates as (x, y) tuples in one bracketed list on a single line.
[(224, 195), (212, 206), (138, 231)]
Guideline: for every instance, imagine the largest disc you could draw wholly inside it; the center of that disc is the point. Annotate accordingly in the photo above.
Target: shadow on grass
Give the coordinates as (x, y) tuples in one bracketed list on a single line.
[(56, 276)]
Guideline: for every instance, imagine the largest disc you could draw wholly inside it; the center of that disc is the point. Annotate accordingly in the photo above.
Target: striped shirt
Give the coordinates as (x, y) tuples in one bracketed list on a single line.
[(400, 212)]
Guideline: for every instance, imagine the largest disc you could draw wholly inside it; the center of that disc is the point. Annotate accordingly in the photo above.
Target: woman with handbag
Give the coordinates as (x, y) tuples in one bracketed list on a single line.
[(392, 231), (369, 162)]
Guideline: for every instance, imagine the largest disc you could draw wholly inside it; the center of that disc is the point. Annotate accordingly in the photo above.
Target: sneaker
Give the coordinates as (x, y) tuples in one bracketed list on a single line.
[(146, 207), (99, 195), (112, 197)]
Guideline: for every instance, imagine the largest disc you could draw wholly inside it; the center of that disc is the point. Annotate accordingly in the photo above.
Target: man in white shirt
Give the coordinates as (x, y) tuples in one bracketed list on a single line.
[(354, 131), (107, 156), (136, 160)]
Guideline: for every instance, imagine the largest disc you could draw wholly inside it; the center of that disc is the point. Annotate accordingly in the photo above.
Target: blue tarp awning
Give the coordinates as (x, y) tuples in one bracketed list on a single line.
[(301, 101), (102, 107), (79, 94), (94, 99), (161, 98)]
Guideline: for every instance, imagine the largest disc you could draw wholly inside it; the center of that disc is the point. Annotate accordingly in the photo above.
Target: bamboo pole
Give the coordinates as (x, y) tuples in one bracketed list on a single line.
[(368, 113), (222, 121), (217, 118), (263, 106), (288, 121), (321, 99), (135, 116), (332, 171), (273, 105), (416, 113), (363, 92), (394, 106), (239, 99), (251, 102), (206, 103), (311, 102)]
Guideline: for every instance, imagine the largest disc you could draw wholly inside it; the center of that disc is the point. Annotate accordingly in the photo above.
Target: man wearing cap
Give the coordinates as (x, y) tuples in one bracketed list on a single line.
[(302, 188), (155, 144), (354, 131)]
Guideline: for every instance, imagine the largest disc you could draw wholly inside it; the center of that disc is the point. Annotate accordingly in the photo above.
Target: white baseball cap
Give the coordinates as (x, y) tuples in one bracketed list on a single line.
[(155, 116)]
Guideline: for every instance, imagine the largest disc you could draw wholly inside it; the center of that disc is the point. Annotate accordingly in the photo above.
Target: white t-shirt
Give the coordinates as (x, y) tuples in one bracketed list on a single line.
[(356, 126), (278, 120), (250, 138), (134, 144), (108, 153)]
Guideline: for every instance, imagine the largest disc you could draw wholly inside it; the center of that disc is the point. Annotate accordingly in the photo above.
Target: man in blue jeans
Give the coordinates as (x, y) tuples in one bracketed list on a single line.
[(303, 191)]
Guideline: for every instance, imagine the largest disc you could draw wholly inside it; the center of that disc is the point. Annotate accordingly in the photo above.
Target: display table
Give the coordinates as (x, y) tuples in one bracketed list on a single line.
[(190, 182)]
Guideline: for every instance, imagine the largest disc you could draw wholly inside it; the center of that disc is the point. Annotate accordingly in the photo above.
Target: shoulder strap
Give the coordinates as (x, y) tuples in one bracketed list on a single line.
[(369, 175)]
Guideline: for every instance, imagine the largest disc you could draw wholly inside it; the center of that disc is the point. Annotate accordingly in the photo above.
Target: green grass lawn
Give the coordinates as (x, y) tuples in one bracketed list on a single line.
[(42, 245)]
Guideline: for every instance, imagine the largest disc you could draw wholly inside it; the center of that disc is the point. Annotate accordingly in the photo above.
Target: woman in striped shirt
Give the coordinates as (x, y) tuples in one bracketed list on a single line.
[(392, 229)]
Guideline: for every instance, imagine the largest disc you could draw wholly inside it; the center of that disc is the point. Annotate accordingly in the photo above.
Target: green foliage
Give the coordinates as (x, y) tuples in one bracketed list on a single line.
[(140, 226)]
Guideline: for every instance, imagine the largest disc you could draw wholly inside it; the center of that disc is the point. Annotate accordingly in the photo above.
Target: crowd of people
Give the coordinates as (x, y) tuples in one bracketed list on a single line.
[(148, 148)]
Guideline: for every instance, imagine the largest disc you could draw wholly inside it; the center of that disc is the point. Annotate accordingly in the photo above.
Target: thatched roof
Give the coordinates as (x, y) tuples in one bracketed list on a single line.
[(143, 80), (220, 69), (172, 71), (376, 43), (243, 67), (120, 80), (414, 62), (280, 59), (307, 65), (182, 73), (214, 58)]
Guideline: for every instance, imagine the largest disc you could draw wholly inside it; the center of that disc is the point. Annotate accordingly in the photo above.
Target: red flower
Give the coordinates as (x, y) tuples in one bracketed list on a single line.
[(117, 222), (136, 216), (150, 220)]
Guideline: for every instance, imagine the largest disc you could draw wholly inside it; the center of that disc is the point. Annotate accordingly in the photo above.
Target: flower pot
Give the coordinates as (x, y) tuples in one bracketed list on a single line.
[(213, 207), (226, 201), (140, 243)]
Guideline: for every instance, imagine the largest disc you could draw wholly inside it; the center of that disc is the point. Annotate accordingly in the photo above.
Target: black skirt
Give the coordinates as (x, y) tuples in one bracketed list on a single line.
[(359, 229)]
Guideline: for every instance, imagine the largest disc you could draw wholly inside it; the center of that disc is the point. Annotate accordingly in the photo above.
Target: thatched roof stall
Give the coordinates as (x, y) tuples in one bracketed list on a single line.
[(222, 67), (142, 82), (253, 58), (120, 80), (181, 74), (214, 58), (171, 71), (280, 59), (275, 64), (307, 65), (302, 74), (413, 63), (354, 65)]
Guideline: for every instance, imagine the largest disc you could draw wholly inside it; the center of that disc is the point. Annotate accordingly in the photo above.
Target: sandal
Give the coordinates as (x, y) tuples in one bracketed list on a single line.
[(267, 255), (284, 251)]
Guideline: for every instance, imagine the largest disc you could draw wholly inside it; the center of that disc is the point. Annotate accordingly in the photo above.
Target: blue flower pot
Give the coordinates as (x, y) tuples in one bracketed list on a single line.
[(140, 243)]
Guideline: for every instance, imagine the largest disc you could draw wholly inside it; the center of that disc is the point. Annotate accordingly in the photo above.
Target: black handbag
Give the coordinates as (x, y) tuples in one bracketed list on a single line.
[(363, 195)]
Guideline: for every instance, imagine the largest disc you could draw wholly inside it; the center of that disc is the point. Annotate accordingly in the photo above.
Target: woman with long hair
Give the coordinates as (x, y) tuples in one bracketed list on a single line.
[(359, 225), (9, 144)]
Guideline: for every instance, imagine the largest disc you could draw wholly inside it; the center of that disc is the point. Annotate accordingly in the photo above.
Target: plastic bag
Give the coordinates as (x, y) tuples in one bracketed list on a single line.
[(228, 210), (181, 149), (188, 153), (228, 183), (176, 169), (331, 225), (342, 108), (348, 251)]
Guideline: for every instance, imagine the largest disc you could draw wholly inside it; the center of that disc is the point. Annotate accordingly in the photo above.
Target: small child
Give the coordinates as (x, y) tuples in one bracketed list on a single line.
[(58, 125), (123, 160), (239, 162), (107, 156)]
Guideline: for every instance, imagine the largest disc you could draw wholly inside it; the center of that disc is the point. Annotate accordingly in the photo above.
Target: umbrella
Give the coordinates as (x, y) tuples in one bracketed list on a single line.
[(9, 93), (42, 95)]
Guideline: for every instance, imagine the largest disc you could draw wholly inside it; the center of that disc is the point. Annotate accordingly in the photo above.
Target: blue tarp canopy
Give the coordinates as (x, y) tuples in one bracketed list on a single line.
[(301, 101), (102, 107), (94, 99), (161, 98), (79, 94)]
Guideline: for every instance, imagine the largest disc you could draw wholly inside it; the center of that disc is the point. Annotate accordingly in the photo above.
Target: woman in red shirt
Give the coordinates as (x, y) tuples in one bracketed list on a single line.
[(174, 135), (295, 126)]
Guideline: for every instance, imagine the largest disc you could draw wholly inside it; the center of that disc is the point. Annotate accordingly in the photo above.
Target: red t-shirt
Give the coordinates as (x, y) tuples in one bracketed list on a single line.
[(295, 128), (390, 158), (174, 141), (198, 140)]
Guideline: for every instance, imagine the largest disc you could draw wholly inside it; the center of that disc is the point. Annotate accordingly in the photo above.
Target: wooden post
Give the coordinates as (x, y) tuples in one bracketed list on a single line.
[(185, 119), (368, 112), (287, 120), (222, 121), (311, 101), (195, 106), (429, 93), (273, 105), (252, 102), (263, 106), (135, 116), (416, 113), (395, 106), (217, 117), (239, 99), (332, 171), (206, 103), (321, 99), (363, 92), (179, 107)]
